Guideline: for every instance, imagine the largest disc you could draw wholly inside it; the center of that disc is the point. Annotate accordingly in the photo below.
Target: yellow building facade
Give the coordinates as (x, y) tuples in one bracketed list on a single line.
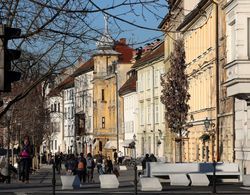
[(210, 114), (111, 63)]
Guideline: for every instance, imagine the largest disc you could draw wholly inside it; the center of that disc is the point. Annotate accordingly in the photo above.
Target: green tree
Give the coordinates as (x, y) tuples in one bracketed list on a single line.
[(175, 94)]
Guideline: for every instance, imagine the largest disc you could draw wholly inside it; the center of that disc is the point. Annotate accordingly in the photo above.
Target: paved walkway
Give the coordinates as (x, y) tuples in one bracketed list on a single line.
[(41, 183)]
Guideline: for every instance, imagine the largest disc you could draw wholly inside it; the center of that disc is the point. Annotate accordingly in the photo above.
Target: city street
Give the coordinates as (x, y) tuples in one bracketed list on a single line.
[(40, 183)]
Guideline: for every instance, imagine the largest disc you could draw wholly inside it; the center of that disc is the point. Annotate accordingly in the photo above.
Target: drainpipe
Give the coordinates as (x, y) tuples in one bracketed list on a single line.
[(153, 104), (233, 129), (217, 79)]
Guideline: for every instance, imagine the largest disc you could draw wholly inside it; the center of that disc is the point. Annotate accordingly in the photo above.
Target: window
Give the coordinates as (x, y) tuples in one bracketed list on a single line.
[(102, 94), (72, 112), (55, 107), (58, 105), (103, 122), (149, 112), (156, 78), (52, 145), (55, 144), (51, 108), (148, 79), (141, 114), (156, 111), (233, 41)]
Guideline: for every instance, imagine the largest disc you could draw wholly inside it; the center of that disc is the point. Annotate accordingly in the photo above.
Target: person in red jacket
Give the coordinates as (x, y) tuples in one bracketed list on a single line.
[(25, 160)]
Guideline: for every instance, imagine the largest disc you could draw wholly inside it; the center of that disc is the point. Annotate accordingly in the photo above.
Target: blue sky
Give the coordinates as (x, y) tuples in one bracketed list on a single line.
[(142, 17)]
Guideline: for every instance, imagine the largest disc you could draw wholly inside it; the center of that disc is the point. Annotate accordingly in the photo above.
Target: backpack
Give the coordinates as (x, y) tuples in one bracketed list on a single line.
[(89, 163)]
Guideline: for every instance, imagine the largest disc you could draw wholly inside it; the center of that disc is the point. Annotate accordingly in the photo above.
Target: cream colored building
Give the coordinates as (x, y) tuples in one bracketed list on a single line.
[(151, 130), (177, 10), (209, 105)]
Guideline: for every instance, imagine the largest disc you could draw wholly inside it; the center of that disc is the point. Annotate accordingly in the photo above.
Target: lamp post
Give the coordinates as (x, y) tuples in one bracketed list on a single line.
[(135, 165), (117, 104), (207, 124)]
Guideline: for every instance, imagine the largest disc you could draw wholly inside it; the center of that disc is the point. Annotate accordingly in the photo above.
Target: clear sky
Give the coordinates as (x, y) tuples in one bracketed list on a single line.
[(148, 16)]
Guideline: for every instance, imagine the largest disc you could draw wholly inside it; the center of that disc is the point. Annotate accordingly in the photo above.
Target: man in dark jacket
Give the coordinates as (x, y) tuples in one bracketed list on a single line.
[(144, 161)]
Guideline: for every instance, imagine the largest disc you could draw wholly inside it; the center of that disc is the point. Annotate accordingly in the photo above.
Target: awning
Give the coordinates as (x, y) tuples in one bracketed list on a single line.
[(126, 143), (110, 145)]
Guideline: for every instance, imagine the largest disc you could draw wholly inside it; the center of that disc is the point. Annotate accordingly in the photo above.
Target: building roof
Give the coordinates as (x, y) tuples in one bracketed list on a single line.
[(191, 15), (150, 55), (65, 84), (129, 86), (172, 4), (85, 67), (126, 52)]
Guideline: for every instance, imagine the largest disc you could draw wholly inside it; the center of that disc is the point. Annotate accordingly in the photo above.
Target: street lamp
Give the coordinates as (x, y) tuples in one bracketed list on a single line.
[(114, 64)]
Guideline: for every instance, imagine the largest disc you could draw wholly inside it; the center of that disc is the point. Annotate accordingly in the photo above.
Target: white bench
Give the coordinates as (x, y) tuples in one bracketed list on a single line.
[(70, 182), (108, 181), (198, 179), (150, 184), (223, 170), (179, 180)]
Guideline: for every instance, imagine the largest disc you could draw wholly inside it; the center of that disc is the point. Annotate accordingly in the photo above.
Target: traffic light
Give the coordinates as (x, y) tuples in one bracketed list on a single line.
[(7, 76)]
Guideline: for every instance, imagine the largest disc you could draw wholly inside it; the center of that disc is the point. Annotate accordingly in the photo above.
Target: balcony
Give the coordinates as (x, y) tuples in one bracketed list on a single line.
[(238, 78)]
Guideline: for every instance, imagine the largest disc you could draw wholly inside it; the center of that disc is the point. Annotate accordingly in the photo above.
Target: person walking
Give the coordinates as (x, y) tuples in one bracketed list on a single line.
[(99, 162), (25, 160), (145, 161), (81, 168), (109, 165), (90, 167)]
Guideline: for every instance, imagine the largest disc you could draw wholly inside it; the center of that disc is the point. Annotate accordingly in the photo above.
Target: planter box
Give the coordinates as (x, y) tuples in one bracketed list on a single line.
[(70, 182)]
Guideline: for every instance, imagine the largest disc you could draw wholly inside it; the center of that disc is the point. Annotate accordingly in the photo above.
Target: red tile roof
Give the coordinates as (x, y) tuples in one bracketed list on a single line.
[(150, 56), (129, 86), (85, 67), (125, 51)]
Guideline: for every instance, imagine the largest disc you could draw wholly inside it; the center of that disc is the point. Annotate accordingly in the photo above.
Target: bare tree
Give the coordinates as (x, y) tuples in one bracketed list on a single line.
[(57, 32)]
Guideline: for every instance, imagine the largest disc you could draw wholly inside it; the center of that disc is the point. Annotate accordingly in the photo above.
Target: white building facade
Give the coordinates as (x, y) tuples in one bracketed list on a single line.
[(84, 106), (238, 76), (150, 135)]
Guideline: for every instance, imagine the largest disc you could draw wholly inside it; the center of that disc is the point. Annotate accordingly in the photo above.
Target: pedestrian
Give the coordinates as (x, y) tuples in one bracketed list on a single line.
[(145, 161), (81, 168), (90, 167), (115, 156), (116, 169), (109, 165), (58, 162), (153, 158), (120, 157), (99, 162), (72, 164), (25, 160)]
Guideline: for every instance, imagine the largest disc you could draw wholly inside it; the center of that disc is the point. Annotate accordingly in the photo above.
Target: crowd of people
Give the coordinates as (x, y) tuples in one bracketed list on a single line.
[(81, 165)]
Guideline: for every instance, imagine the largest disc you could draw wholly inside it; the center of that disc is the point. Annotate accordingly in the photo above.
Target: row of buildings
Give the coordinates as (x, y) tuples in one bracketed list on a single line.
[(113, 100)]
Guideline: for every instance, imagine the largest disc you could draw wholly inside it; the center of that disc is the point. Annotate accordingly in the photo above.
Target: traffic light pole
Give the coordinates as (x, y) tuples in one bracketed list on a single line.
[(7, 75)]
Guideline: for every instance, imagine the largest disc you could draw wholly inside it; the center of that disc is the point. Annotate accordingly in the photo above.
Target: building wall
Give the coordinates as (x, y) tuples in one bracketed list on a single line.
[(237, 76), (148, 103), (201, 71), (56, 119), (131, 113), (84, 104), (69, 119)]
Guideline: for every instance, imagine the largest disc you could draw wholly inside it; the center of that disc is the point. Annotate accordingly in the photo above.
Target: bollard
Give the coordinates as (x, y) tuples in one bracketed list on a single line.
[(135, 181), (214, 177), (54, 178)]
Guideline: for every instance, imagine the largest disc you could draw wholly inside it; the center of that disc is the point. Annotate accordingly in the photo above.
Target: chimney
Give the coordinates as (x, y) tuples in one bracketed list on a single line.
[(123, 41)]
